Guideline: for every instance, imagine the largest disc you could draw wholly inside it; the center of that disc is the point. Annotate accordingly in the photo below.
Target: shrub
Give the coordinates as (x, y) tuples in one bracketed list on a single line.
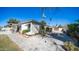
[(24, 31), (48, 29), (70, 46)]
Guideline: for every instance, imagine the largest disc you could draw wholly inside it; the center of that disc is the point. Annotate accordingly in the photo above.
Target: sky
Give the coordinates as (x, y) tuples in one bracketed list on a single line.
[(59, 15)]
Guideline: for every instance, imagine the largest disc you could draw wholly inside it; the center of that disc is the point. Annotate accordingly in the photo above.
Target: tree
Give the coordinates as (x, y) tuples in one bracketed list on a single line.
[(60, 26), (77, 25), (77, 21), (73, 30), (43, 23), (13, 20), (72, 27), (42, 28)]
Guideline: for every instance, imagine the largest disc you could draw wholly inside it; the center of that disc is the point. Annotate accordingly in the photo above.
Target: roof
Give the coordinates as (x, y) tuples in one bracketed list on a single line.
[(31, 21), (57, 26)]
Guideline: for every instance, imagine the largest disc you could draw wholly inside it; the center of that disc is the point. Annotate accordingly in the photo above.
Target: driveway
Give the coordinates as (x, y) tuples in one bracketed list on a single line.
[(35, 43)]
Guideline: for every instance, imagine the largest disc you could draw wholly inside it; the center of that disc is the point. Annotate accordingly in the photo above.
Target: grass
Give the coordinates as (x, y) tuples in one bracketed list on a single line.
[(7, 45)]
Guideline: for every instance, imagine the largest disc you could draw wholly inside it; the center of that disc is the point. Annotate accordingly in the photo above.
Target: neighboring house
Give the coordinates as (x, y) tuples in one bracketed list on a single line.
[(65, 28), (32, 26), (5, 29), (13, 26), (57, 29)]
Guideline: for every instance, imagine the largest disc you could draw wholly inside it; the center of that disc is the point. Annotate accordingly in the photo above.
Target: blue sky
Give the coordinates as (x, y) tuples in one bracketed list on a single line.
[(59, 15)]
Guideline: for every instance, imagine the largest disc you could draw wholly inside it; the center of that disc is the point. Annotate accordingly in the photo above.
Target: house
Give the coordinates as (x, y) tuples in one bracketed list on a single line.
[(65, 28), (57, 29), (13, 26), (5, 29), (31, 26)]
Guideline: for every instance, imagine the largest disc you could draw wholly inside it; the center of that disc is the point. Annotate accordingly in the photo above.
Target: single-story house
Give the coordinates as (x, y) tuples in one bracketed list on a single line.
[(31, 26), (5, 29), (13, 26), (57, 29)]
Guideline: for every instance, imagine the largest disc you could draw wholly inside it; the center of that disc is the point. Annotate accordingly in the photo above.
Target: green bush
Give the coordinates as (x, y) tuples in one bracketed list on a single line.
[(24, 31)]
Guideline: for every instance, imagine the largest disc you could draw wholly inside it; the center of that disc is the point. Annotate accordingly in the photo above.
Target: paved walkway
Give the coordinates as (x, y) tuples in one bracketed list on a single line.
[(35, 43)]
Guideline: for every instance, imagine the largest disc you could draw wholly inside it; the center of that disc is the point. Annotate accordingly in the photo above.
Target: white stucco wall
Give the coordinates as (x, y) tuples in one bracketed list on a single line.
[(6, 29), (60, 29), (24, 27), (57, 31), (34, 28)]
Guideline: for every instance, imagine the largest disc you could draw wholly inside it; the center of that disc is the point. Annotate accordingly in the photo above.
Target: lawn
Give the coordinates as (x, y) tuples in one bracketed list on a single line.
[(7, 45)]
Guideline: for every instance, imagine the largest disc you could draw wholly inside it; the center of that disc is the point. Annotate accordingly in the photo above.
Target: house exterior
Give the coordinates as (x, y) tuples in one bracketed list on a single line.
[(5, 29), (65, 28), (13, 27), (57, 29), (32, 26)]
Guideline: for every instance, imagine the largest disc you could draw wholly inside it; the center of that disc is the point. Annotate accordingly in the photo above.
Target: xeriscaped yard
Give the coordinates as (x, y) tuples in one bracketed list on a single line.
[(7, 45), (33, 43)]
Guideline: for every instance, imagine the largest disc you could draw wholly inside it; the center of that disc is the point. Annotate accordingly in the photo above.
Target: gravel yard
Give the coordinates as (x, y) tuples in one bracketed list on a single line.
[(35, 43)]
